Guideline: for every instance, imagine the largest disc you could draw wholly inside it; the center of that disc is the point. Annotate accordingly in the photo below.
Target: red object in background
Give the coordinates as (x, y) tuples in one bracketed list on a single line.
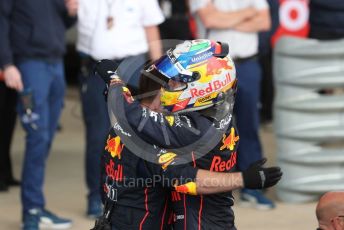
[(193, 26), (294, 19), (1, 75)]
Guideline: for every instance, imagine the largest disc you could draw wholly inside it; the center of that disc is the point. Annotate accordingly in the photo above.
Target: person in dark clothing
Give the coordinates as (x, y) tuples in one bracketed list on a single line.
[(177, 20), (185, 133), (265, 60), (326, 19), (32, 45), (123, 31), (8, 99)]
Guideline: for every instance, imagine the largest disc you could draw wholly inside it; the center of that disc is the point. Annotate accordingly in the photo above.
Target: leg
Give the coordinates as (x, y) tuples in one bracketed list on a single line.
[(246, 111), (267, 88), (47, 83), (97, 124), (56, 97), (36, 77)]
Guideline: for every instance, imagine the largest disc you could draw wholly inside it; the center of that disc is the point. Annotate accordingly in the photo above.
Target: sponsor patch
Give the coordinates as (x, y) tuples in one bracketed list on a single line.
[(230, 141), (166, 159), (170, 120), (211, 87), (114, 146), (119, 128), (219, 165)]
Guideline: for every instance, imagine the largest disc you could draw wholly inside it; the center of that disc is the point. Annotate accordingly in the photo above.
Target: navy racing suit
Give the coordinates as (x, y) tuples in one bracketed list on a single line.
[(175, 131)]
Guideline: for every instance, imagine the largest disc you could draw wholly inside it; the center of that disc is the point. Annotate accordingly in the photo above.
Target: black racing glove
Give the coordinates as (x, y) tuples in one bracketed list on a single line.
[(107, 70), (257, 177)]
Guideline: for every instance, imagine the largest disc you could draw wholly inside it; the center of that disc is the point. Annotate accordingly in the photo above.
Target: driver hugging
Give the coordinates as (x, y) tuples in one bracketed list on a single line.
[(169, 161)]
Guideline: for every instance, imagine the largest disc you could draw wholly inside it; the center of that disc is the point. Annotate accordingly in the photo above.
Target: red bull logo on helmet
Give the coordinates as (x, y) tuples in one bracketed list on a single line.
[(216, 65), (211, 87)]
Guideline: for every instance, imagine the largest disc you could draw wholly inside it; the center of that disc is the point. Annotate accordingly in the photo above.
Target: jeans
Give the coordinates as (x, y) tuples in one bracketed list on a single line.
[(46, 80), (247, 112)]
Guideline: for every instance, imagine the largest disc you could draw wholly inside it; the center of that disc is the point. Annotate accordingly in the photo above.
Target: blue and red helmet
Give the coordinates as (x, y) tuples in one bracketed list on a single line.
[(201, 72)]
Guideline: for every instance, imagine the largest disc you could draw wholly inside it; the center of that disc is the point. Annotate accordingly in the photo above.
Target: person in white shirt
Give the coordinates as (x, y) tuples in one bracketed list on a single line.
[(238, 23), (124, 31)]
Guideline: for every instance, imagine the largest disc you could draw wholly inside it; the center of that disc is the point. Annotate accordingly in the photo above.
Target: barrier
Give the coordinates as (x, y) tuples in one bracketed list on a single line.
[(309, 126)]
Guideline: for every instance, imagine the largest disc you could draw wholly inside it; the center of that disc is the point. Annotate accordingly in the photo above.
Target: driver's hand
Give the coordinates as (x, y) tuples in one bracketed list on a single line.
[(107, 70), (259, 177)]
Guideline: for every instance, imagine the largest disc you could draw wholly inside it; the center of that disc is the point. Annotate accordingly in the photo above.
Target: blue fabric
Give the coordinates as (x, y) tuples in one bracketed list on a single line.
[(96, 119), (247, 112), (32, 29), (46, 80), (55, 220), (256, 197), (30, 222)]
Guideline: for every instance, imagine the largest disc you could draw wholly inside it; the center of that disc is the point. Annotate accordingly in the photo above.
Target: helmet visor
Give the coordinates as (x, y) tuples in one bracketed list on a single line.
[(166, 67), (169, 66)]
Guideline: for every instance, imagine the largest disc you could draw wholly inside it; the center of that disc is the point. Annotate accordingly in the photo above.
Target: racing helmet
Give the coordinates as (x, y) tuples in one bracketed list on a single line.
[(195, 75)]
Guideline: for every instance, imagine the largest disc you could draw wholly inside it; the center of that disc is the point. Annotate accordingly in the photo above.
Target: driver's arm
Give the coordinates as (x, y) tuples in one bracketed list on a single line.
[(171, 131), (194, 181), (185, 178)]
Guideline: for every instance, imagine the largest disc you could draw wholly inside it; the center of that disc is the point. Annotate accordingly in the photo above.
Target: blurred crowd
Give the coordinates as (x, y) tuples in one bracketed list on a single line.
[(32, 80)]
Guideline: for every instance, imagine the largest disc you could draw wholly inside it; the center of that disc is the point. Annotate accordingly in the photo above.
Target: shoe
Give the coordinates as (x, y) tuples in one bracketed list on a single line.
[(256, 199), (94, 209), (13, 182), (48, 220), (3, 186), (36, 219), (31, 220)]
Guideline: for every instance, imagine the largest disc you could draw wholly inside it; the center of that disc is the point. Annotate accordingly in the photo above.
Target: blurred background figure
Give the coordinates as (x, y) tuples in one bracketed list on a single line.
[(8, 100), (32, 47), (238, 23), (326, 19), (288, 18), (330, 211), (123, 31), (265, 59), (178, 23)]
